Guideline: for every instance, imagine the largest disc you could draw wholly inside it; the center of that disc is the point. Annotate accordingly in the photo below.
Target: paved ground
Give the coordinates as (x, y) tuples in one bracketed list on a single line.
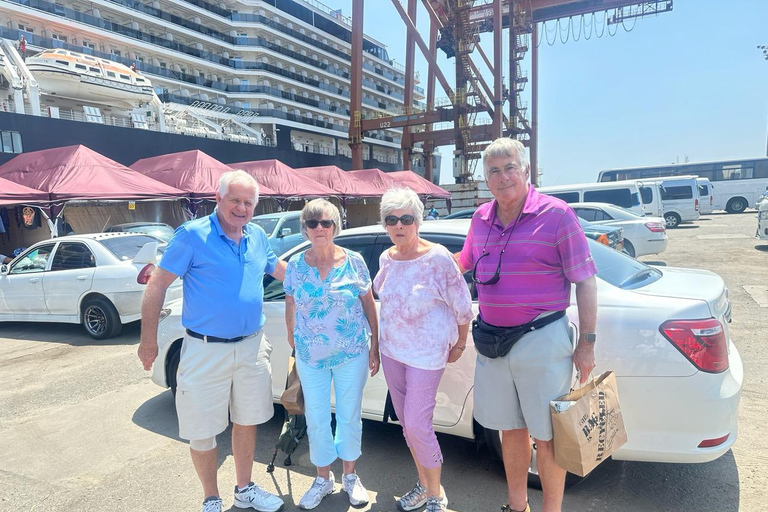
[(83, 429)]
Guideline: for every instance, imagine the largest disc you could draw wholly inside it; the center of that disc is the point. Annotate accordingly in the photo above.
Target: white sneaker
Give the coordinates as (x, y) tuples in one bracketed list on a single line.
[(413, 499), (212, 504), (437, 505), (253, 496), (319, 490), (358, 495)]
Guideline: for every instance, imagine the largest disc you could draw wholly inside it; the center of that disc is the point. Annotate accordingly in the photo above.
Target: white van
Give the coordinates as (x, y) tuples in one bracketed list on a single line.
[(706, 196), (621, 193), (680, 199)]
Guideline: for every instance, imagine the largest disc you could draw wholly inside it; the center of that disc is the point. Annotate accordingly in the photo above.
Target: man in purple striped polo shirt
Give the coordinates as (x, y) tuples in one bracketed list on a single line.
[(526, 250)]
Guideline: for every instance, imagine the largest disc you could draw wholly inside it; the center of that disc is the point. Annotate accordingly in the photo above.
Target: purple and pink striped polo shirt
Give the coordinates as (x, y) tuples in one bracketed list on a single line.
[(547, 251)]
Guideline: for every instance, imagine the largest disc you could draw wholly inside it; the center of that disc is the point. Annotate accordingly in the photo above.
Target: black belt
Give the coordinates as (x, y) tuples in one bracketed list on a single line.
[(214, 339)]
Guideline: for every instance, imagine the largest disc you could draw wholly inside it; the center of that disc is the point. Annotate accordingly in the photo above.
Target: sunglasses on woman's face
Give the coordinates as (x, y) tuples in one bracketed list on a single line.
[(406, 220), (312, 223)]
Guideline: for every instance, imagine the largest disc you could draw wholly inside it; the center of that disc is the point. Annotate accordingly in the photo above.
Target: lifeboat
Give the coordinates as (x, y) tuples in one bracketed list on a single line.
[(81, 77)]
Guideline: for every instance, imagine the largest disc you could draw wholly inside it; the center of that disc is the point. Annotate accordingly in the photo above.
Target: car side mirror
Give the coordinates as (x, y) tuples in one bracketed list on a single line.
[(285, 232), (4, 268)]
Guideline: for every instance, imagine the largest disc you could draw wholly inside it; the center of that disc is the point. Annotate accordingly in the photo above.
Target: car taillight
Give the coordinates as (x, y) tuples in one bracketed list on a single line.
[(145, 273), (701, 341), (696, 204), (656, 227), (711, 200), (603, 239), (709, 443)]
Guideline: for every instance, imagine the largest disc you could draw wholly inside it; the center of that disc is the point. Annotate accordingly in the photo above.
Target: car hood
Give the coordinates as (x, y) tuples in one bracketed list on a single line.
[(677, 283)]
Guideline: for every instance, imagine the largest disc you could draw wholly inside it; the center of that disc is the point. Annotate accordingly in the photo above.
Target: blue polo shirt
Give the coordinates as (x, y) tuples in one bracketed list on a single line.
[(222, 280)]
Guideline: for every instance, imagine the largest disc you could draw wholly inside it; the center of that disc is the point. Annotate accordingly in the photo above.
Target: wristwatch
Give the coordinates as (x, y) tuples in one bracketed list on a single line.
[(588, 336)]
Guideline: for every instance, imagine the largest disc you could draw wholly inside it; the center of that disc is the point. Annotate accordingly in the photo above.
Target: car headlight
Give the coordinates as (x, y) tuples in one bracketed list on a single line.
[(762, 214), (164, 313)]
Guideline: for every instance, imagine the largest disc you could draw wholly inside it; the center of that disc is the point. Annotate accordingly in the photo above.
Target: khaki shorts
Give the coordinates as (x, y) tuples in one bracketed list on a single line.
[(219, 378), (514, 391)]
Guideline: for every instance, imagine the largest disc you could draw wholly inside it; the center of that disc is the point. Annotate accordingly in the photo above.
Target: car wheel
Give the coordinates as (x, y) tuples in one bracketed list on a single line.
[(629, 248), (172, 369), (493, 440), (673, 220), (100, 319), (736, 205)]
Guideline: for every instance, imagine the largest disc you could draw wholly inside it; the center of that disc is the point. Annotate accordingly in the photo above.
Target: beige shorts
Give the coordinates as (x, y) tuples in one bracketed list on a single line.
[(219, 378), (514, 391)]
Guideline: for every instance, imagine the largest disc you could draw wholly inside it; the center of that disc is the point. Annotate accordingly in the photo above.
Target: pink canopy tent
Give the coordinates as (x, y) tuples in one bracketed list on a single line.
[(13, 193), (340, 180), (419, 185), (283, 180), (378, 180), (77, 172), (192, 171)]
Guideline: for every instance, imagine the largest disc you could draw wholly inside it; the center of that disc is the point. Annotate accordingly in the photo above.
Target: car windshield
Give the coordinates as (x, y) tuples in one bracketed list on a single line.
[(268, 224), (163, 231), (126, 247), (621, 270), (628, 212)]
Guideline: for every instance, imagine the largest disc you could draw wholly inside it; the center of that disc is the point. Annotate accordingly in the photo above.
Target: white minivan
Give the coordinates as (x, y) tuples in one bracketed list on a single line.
[(620, 193), (679, 198), (650, 194)]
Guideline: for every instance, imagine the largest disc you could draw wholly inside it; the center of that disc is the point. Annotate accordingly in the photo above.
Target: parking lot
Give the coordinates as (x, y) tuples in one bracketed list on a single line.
[(82, 428)]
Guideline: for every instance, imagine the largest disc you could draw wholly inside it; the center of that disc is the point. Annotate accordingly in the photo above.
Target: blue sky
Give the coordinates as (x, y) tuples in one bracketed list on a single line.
[(688, 83)]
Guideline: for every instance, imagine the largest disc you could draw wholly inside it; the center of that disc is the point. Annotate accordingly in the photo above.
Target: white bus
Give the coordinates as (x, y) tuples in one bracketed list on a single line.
[(737, 183)]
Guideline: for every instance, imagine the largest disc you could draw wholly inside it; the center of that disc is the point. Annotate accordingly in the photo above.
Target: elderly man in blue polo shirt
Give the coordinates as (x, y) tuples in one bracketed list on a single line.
[(224, 366)]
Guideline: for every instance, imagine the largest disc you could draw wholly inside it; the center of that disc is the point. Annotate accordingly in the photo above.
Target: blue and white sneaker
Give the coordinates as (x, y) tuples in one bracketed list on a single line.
[(212, 504), (253, 496)]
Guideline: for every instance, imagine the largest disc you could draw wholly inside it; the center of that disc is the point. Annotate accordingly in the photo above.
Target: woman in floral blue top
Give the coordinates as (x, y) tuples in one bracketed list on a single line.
[(331, 316)]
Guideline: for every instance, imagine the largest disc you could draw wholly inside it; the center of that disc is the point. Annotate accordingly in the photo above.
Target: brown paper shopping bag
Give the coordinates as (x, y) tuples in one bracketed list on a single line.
[(293, 397), (587, 425)]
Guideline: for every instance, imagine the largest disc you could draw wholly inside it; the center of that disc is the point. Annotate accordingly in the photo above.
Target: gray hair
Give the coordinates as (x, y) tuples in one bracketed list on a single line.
[(401, 199), (504, 147), (238, 177), (320, 209)]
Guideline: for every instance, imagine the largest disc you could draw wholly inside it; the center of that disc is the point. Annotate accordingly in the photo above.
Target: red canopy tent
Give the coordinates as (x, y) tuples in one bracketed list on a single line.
[(77, 172), (419, 185), (13, 193), (380, 181), (341, 181), (192, 171), (283, 180)]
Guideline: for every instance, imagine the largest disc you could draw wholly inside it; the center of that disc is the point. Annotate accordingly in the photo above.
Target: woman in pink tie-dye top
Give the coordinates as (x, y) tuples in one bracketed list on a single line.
[(425, 313)]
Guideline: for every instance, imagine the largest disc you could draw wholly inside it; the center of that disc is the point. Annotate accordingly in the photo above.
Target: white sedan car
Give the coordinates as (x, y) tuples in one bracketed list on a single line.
[(642, 235), (664, 331), (96, 280)]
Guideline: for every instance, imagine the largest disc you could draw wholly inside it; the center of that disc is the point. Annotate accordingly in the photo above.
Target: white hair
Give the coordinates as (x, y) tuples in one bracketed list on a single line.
[(238, 177), (401, 199), (319, 209), (504, 147)]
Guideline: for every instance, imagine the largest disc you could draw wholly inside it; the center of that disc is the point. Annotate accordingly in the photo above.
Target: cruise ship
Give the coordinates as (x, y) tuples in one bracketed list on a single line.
[(237, 79)]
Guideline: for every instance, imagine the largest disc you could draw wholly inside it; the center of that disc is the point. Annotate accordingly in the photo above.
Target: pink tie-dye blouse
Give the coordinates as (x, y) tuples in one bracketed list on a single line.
[(423, 301)]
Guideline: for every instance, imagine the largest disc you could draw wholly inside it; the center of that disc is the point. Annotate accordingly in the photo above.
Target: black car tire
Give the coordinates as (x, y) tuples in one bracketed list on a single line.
[(629, 248), (736, 205), (100, 319), (493, 440), (172, 368), (672, 219)]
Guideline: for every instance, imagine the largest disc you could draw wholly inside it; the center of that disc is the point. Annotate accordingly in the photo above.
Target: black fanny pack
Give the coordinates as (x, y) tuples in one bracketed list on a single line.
[(493, 342)]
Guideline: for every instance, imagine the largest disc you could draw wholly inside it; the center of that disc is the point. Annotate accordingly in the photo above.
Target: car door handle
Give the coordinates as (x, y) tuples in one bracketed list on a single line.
[(34, 279), (82, 278)]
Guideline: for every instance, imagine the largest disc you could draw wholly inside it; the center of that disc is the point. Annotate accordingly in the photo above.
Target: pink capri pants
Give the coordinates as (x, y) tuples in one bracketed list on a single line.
[(413, 393)]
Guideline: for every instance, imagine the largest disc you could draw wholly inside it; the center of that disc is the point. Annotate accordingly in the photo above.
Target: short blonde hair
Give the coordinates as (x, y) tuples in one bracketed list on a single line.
[(239, 177), (319, 209), (401, 199), (504, 147)]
